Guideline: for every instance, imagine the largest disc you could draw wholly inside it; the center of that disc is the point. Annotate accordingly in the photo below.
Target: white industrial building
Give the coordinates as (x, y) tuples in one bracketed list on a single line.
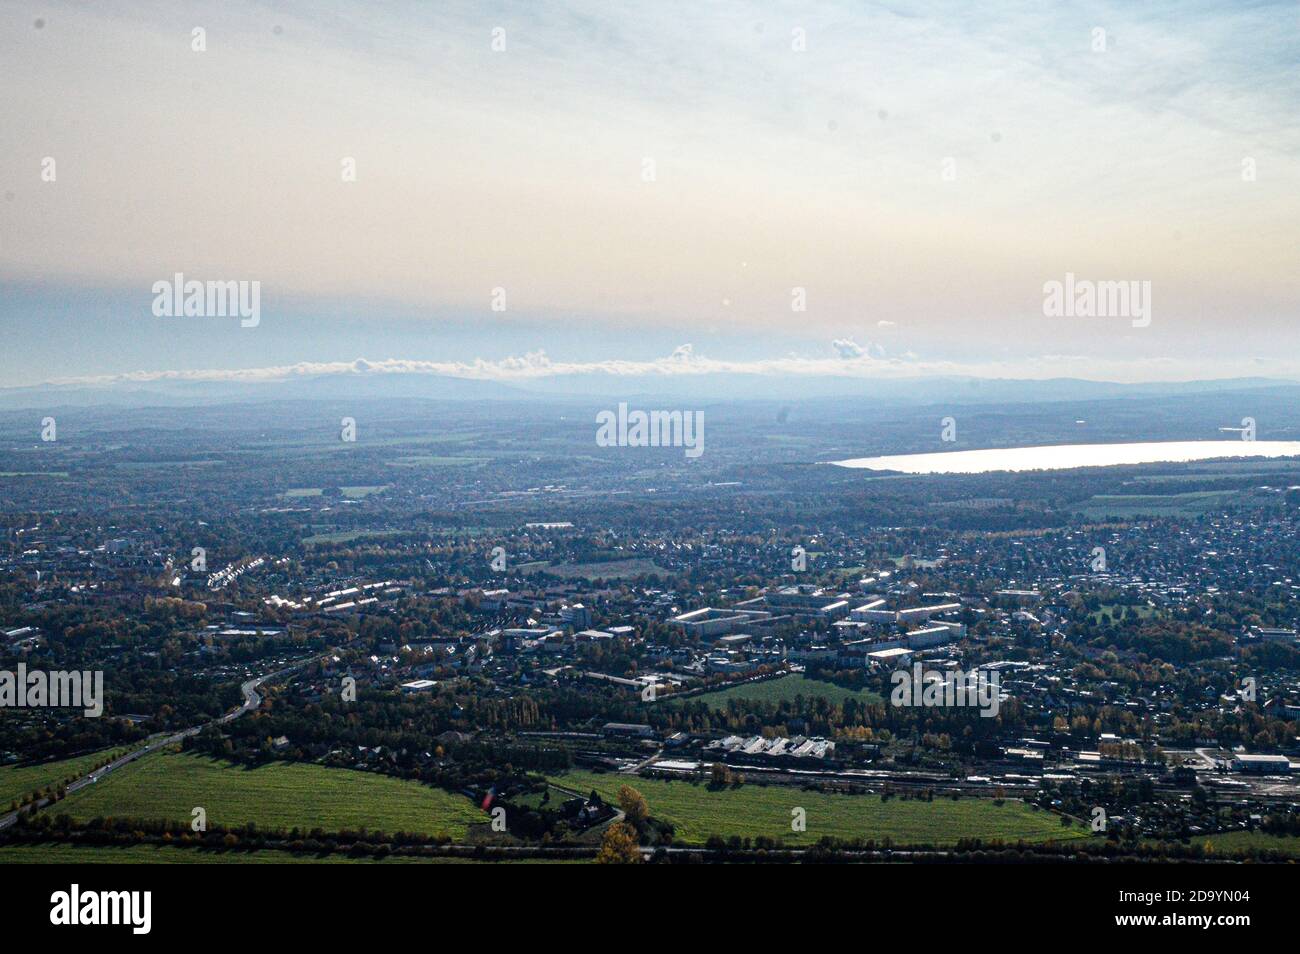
[(1261, 764)]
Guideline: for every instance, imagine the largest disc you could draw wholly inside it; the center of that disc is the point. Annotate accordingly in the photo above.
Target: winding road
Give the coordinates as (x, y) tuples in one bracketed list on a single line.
[(252, 699)]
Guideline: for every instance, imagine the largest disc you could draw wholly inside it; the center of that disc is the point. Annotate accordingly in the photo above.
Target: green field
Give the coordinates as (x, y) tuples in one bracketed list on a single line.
[(435, 461), (1251, 467), (607, 570), (1170, 505), (784, 689), (696, 811), (57, 854), (17, 781), (277, 795), (1234, 841), (351, 493), (364, 490), (1115, 609), (347, 536)]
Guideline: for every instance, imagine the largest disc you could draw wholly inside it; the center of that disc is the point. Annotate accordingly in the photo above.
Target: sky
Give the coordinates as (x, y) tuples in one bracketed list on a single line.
[(850, 188)]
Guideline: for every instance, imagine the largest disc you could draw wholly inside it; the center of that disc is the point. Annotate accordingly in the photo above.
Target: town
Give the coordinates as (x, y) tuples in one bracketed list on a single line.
[(708, 647)]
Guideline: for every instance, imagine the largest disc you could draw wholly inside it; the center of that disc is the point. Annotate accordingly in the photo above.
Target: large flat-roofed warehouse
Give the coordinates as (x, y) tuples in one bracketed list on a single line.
[(1261, 764)]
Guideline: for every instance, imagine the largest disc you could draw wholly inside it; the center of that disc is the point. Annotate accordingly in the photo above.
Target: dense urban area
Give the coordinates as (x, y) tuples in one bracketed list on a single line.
[(470, 631)]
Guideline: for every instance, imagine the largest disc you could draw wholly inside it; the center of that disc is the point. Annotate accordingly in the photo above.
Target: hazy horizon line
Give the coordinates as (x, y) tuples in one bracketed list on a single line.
[(853, 363)]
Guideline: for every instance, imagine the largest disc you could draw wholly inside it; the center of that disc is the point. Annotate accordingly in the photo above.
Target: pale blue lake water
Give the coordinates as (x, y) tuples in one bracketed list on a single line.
[(1068, 456)]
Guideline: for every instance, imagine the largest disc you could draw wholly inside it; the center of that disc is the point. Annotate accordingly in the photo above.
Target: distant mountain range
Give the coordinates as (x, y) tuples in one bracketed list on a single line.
[(640, 389)]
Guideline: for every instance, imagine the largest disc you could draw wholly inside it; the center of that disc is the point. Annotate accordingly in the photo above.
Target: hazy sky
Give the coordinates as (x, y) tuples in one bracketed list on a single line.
[(919, 170)]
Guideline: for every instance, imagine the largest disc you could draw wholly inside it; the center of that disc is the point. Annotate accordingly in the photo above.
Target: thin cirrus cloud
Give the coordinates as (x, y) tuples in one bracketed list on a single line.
[(774, 168)]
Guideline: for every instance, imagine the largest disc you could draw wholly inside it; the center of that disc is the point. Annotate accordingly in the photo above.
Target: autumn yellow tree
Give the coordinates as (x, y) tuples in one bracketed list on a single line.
[(619, 846), (633, 804)]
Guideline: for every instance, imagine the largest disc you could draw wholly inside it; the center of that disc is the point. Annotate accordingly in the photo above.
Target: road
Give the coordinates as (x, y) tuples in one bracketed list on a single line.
[(1209, 761), (636, 767), (252, 699)]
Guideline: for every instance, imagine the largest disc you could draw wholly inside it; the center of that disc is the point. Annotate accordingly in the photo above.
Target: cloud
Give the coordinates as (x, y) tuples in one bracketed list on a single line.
[(850, 349), (534, 364), (852, 361), (532, 157)]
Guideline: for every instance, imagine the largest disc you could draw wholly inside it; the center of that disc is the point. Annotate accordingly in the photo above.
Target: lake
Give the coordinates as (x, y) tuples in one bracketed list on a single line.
[(1068, 456)]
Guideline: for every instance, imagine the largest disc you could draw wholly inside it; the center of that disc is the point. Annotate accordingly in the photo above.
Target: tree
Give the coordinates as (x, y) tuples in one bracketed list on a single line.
[(633, 804), (619, 846)]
